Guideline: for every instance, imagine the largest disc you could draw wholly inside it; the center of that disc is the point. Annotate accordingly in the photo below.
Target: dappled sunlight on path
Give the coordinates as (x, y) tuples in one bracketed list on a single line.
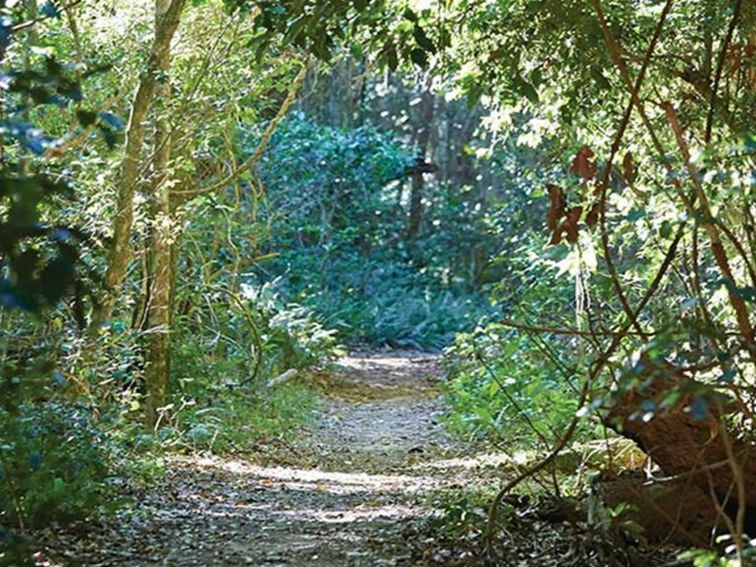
[(353, 490), (331, 482)]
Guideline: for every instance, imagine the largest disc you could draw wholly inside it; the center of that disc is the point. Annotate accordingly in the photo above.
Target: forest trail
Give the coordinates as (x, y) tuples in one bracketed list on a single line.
[(353, 490)]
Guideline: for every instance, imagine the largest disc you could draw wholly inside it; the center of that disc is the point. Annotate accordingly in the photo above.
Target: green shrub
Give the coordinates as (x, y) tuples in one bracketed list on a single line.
[(292, 335), (503, 387), (380, 300), (460, 515), (54, 465), (240, 420), (249, 336), (338, 224), (218, 402), (396, 313)]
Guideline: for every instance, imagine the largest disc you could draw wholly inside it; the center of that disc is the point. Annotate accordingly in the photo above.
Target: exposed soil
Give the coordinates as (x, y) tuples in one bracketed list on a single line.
[(351, 491)]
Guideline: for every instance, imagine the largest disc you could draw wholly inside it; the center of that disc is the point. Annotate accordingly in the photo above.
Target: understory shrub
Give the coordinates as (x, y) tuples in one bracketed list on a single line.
[(503, 387), (337, 214), (373, 302), (213, 417), (249, 337), (55, 462), (460, 514), (224, 357)]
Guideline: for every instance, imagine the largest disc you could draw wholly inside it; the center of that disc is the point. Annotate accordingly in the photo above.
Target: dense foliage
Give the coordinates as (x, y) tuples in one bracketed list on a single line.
[(199, 198), (338, 239)]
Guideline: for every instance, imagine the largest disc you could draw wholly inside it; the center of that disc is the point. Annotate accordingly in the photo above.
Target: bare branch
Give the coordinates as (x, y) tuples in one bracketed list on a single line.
[(252, 160)]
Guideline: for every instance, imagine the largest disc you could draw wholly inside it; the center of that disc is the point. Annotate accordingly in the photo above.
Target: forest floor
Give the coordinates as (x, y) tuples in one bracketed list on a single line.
[(352, 490), (358, 488)]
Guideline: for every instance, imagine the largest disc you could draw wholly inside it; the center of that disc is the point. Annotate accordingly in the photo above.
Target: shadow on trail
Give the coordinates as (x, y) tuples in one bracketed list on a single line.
[(351, 491)]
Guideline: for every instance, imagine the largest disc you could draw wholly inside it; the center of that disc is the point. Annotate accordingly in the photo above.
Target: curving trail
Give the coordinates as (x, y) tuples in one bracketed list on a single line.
[(352, 491)]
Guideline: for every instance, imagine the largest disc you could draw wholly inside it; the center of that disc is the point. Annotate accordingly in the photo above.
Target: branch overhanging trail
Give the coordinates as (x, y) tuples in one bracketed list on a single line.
[(604, 358)]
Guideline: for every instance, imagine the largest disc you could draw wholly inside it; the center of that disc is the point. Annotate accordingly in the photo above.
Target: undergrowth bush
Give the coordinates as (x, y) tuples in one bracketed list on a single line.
[(210, 413), (509, 384), (339, 242), (460, 515), (501, 387), (387, 304), (54, 465), (243, 420), (292, 335), (220, 373)]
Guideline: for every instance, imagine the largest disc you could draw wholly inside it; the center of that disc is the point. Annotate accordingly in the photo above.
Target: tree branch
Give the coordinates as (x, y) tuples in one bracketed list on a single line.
[(720, 66), (604, 183), (252, 160)]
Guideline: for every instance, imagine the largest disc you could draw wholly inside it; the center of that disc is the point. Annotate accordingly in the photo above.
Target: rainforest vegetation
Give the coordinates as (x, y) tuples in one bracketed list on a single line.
[(378, 282)]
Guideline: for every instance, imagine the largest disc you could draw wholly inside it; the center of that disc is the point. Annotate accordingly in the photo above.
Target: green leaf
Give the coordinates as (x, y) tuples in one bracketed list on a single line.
[(423, 40), (665, 230), (410, 15), (601, 81), (524, 88), (419, 57), (636, 214), (357, 51)]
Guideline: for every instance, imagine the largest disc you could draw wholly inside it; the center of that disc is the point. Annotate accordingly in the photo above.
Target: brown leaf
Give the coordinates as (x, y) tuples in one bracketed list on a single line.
[(628, 168), (570, 224), (583, 165), (557, 205), (593, 215)]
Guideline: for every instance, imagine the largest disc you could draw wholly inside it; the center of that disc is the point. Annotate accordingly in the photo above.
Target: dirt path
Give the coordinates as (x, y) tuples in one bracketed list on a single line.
[(352, 491)]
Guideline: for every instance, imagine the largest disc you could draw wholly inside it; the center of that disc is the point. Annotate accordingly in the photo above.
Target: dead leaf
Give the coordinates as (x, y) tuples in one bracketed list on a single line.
[(628, 168), (557, 206), (592, 218), (583, 165), (570, 224), (556, 237)]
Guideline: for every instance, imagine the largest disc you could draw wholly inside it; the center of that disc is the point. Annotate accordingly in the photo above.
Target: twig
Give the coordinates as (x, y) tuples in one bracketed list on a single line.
[(76, 139), (514, 403), (604, 184), (740, 249), (565, 331), (737, 476), (697, 193), (738, 305), (255, 332), (543, 463), (250, 162), (614, 51), (720, 66), (36, 20)]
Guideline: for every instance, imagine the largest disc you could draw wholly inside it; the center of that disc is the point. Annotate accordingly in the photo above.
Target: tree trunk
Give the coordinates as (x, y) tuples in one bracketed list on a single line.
[(682, 443), (30, 41), (418, 183), (119, 253), (157, 358)]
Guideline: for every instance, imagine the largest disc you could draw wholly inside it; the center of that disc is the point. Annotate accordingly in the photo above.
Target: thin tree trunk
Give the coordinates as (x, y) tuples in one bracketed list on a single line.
[(157, 358), (418, 183), (30, 42), (119, 253)]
